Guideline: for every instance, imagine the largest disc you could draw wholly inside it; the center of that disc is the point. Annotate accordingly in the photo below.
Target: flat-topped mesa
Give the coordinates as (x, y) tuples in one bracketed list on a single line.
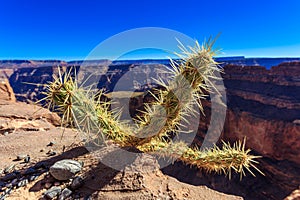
[(286, 73), (254, 86)]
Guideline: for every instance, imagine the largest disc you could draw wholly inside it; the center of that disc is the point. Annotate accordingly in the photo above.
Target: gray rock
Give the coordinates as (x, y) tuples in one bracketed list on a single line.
[(76, 183), (52, 192), (8, 191), (27, 159), (33, 177), (22, 183), (65, 194), (5, 133), (9, 169), (65, 169), (82, 163), (53, 153), (21, 156)]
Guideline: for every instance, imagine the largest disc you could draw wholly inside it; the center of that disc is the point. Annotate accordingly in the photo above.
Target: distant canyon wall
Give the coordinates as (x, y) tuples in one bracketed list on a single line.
[(263, 105)]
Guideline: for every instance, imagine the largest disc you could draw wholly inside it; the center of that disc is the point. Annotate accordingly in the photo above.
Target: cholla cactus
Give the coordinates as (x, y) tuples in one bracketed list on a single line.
[(191, 78)]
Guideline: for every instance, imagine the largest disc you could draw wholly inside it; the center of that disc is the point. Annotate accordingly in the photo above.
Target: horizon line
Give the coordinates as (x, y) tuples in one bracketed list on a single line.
[(79, 59)]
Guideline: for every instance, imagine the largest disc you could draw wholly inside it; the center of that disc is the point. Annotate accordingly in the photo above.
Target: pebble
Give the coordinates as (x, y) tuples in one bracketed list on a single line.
[(27, 159), (5, 133), (9, 169), (8, 191), (65, 194), (21, 156), (33, 177), (51, 144), (22, 183), (51, 152), (52, 192), (76, 183), (82, 163)]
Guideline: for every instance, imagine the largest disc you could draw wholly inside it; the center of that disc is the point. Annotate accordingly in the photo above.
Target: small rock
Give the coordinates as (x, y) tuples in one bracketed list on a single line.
[(21, 156), (65, 194), (8, 191), (33, 177), (9, 169), (51, 152), (65, 169), (82, 163), (52, 192), (76, 183), (48, 185), (23, 183), (8, 185), (5, 133), (51, 144), (42, 150), (27, 159)]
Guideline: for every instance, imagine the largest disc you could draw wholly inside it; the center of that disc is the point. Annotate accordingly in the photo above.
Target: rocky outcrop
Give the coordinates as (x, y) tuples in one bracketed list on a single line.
[(264, 106), (142, 179), (21, 116), (6, 91), (272, 138)]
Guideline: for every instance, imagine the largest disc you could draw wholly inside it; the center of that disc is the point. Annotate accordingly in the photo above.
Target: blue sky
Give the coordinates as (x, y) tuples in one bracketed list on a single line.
[(58, 29)]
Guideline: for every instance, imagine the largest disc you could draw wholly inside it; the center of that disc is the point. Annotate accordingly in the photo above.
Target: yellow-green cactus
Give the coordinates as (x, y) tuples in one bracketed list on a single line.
[(191, 78)]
